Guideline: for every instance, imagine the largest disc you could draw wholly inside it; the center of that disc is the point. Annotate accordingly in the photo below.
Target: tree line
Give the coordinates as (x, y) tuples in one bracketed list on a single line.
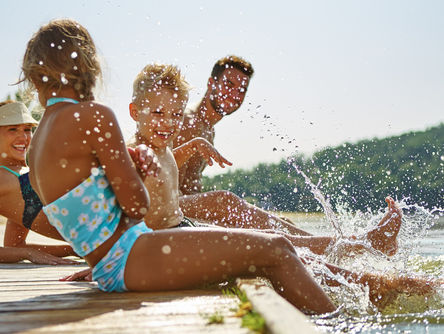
[(355, 175)]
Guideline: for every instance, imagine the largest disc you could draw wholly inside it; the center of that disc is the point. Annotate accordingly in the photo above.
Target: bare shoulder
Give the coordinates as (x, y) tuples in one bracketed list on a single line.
[(8, 182), (191, 128), (95, 110), (91, 116)]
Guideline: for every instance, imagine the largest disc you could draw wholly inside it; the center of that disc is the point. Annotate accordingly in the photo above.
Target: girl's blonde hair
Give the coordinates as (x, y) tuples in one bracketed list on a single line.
[(62, 52), (156, 76)]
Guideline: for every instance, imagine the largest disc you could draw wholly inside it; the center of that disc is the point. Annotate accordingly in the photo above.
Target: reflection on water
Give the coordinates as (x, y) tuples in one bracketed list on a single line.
[(421, 252)]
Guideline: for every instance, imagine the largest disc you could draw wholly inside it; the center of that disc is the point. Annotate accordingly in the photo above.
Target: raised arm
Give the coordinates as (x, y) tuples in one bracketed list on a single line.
[(202, 146)]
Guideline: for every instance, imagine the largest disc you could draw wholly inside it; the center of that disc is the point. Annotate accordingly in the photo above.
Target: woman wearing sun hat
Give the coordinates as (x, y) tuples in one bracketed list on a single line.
[(16, 125)]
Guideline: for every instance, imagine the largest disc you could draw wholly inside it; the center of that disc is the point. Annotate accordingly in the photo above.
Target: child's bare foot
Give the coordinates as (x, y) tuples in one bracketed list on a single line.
[(383, 237)]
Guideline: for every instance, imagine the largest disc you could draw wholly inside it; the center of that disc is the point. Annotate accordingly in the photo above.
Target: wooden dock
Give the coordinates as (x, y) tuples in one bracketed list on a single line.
[(33, 300)]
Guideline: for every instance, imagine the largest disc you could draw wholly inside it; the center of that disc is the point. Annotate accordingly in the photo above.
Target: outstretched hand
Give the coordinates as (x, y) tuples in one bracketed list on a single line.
[(84, 275), (145, 160), (209, 153), (38, 257)]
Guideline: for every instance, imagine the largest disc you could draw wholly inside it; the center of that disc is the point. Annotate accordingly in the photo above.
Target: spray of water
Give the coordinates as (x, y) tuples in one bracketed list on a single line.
[(325, 203)]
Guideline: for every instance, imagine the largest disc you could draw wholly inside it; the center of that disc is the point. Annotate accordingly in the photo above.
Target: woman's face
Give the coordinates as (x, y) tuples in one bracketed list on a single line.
[(14, 141)]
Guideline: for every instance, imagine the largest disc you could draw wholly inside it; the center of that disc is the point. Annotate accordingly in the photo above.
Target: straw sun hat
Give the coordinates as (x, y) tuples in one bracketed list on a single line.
[(15, 113)]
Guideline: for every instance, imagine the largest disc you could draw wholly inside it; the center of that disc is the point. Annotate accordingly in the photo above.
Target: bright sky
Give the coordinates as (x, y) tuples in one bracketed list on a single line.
[(327, 72)]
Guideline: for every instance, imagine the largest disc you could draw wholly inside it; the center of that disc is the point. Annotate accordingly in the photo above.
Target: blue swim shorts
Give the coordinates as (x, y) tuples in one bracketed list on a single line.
[(110, 270)]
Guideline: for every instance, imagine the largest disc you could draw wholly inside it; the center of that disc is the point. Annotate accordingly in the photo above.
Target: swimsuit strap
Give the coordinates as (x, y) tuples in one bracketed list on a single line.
[(53, 100), (10, 170)]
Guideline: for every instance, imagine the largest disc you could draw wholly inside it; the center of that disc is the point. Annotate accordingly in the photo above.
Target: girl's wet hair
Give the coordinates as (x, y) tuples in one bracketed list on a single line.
[(60, 53), (157, 76)]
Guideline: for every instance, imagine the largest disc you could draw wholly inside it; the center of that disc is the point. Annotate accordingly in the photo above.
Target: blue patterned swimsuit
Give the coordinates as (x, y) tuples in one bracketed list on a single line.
[(86, 217)]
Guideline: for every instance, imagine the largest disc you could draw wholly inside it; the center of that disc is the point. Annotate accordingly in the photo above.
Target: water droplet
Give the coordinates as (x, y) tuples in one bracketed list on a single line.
[(4, 155), (74, 55), (252, 269), (166, 249), (107, 135), (45, 78), (63, 79)]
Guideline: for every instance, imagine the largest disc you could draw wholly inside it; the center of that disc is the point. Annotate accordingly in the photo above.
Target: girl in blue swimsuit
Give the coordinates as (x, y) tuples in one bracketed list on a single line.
[(92, 193)]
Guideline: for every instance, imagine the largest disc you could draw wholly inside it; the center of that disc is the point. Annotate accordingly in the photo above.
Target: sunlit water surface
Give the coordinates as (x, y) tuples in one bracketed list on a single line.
[(421, 252)]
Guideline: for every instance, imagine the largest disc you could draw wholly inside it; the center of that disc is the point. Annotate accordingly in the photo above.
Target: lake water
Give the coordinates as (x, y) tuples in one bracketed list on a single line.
[(422, 254)]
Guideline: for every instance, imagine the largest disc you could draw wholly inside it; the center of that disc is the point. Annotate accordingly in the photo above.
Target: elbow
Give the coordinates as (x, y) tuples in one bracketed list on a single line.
[(137, 209), (20, 242)]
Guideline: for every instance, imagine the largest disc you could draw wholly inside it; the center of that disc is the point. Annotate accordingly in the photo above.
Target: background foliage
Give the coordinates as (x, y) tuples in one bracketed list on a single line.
[(358, 175)]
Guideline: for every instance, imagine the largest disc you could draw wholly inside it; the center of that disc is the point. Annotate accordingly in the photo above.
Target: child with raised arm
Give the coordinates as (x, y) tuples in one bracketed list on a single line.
[(159, 98), (160, 95), (91, 191)]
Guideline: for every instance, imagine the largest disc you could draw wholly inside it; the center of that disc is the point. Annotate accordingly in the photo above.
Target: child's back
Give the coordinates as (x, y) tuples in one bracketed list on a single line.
[(76, 139)]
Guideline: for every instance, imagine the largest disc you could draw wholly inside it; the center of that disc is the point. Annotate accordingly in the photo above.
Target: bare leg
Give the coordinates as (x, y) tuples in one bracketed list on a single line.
[(225, 209), (383, 237), (184, 258), (228, 210), (382, 290)]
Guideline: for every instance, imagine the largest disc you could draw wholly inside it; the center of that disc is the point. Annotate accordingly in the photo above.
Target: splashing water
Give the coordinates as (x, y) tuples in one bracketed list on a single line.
[(358, 313), (401, 312), (325, 203)]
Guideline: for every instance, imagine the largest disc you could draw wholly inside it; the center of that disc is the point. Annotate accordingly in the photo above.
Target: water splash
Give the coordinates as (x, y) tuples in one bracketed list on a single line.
[(325, 203)]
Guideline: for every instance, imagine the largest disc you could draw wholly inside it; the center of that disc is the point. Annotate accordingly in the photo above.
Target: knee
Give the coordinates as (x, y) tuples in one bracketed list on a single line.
[(282, 248), (226, 197)]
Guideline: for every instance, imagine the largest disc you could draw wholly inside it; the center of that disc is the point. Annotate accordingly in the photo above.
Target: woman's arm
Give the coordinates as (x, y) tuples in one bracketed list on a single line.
[(15, 236), (12, 255)]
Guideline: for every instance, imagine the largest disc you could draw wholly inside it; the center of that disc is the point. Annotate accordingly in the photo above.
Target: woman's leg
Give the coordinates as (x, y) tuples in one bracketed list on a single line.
[(184, 258)]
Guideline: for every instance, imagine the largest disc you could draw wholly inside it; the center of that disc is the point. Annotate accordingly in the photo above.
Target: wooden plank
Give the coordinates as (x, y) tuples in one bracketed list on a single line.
[(33, 300), (186, 314), (280, 316)]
